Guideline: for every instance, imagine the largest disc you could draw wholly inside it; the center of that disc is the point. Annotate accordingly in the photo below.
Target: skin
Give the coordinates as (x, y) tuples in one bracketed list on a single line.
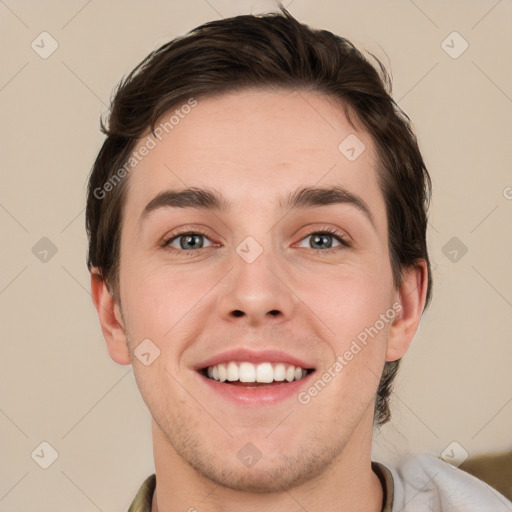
[(254, 147)]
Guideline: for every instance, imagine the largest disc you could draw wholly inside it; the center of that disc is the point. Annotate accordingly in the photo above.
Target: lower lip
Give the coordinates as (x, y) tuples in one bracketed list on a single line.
[(258, 396)]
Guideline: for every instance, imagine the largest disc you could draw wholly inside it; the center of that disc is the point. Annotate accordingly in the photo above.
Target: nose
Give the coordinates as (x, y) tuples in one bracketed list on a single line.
[(258, 292)]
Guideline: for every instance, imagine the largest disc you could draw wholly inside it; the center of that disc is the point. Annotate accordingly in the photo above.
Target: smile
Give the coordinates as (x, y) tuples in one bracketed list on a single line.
[(262, 373), (249, 384)]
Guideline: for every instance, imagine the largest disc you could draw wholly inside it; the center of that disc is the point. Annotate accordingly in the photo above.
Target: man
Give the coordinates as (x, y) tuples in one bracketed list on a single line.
[(257, 222)]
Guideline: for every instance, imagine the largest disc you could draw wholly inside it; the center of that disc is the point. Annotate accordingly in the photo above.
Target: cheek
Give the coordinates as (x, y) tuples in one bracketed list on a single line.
[(348, 298), (159, 302), (351, 377), (356, 307)]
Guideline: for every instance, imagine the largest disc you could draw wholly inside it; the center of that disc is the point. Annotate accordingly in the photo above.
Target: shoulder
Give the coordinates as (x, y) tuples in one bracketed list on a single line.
[(423, 482), (144, 497)]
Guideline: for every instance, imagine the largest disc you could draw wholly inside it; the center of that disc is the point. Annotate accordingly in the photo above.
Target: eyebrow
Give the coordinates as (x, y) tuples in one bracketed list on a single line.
[(210, 199), (309, 197)]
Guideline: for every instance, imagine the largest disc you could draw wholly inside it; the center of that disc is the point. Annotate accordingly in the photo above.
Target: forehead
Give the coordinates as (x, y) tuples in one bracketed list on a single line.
[(255, 146)]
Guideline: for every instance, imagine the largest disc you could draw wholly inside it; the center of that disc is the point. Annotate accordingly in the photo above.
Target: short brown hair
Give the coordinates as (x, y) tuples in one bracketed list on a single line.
[(272, 50)]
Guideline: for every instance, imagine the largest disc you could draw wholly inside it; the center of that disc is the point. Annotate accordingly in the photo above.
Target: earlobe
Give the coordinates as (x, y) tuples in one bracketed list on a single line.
[(411, 296), (110, 319)]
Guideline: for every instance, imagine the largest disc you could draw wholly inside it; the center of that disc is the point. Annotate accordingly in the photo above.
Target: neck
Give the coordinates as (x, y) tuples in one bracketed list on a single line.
[(347, 484)]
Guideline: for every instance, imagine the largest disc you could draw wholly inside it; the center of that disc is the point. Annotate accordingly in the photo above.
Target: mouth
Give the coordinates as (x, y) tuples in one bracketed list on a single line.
[(248, 375), (249, 384)]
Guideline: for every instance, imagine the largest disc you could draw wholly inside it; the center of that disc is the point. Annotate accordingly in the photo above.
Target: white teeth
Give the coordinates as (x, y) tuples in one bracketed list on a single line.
[(248, 372), (232, 371), (264, 373), (222, 372), (279, 372)]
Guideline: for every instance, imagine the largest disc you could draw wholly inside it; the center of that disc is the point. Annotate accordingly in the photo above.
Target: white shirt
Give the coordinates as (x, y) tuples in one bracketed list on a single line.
[(424, 483)]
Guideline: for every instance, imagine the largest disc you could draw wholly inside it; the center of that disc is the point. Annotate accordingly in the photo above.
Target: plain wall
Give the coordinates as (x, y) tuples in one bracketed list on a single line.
[(58, 382)]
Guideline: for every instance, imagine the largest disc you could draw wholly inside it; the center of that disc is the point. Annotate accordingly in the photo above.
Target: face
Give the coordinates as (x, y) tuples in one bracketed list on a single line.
[(258, 272)]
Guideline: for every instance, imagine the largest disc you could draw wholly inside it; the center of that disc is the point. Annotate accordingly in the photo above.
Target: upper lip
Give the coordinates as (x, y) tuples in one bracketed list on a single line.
[(251, 356)]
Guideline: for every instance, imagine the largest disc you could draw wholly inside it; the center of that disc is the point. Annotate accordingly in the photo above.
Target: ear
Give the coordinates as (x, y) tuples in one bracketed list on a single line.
[(110, 318), (411, 296)]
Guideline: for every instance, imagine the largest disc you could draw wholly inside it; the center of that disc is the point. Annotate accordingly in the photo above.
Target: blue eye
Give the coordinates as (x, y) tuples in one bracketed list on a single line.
[(326, 240), (323, 240), (187, 241)]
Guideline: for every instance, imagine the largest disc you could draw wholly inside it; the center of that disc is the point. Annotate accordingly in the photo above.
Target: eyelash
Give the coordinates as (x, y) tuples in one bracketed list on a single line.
[(341, 238)]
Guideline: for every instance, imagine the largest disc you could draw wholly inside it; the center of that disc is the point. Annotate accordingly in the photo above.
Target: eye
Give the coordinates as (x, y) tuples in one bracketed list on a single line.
[(189, 241), (324, 240)]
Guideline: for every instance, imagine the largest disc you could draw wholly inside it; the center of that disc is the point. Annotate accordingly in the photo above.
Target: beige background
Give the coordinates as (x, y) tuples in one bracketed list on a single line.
[(58, 383)]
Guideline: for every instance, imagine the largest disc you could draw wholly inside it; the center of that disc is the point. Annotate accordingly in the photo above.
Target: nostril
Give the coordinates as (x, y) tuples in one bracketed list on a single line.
[(237, 312), (274, 312)]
